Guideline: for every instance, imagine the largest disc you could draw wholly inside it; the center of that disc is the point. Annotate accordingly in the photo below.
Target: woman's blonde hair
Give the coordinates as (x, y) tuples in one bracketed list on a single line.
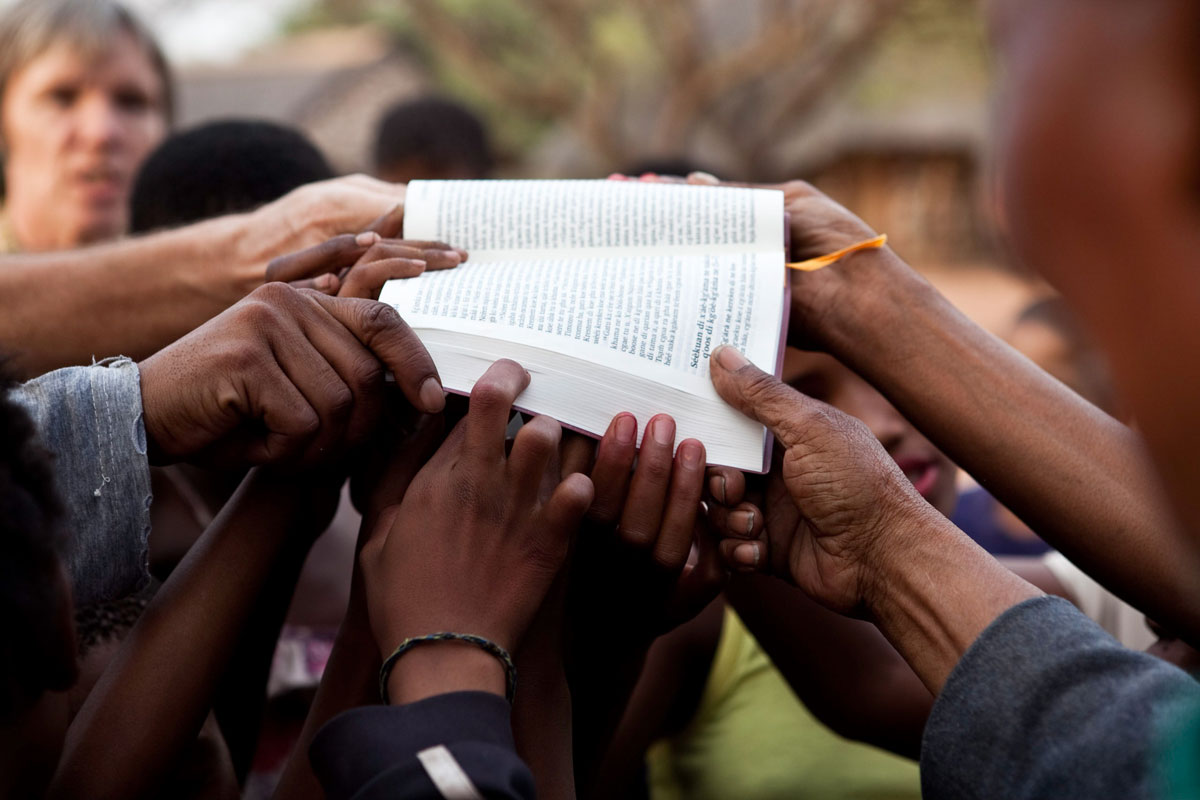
[(31, 27)]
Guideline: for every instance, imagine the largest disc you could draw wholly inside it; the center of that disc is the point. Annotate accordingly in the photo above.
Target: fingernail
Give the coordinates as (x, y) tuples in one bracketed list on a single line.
[(433, 398), (743, 521), (663, 430), (648, 176), (367, 238), (716, 486), (703, 177), (452, 255), (326, 283), (730, 358), (689, 452), (616, 176), (747, 554), (626, 429)]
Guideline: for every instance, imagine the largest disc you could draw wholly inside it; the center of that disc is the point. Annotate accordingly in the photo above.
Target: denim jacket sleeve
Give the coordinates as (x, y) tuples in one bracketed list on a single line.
[(90, 418)]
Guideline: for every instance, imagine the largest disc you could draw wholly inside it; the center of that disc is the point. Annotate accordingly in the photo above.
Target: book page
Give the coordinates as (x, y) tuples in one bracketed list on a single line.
[(655, 316), (530, 219)]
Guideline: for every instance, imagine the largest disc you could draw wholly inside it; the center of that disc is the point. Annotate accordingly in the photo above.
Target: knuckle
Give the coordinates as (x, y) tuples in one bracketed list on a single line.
[(488, 394), (340, 399), (635, 536), (655, 470), (540, 435), (377, 318), (274, 293), (259, 314), (667, 557), (365, 371)]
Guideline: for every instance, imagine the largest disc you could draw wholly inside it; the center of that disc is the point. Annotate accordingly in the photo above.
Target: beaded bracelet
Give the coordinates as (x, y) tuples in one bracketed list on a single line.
[(487, 645)]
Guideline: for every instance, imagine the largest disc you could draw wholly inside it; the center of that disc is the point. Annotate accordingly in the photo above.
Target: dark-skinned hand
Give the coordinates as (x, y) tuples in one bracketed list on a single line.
[(284, 376), (834, 498), (631, 580), (481, 533)]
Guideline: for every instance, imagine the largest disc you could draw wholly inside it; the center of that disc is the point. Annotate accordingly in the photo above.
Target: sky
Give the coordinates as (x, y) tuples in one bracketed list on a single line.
[(194, 31)]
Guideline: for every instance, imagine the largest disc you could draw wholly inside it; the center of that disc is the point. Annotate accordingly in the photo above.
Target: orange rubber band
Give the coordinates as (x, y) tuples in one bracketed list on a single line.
[(820, 262)]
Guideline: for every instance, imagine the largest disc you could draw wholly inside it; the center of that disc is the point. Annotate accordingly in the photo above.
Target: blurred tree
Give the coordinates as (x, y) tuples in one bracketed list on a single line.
[(636, 79)]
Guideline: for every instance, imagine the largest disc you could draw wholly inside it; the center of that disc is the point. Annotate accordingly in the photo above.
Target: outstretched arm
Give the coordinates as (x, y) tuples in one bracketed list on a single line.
[(136, 296), (1079, 478), (154, 696)]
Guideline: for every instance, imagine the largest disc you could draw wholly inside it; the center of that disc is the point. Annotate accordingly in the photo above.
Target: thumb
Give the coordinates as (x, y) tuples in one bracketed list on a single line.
[(758, 395)]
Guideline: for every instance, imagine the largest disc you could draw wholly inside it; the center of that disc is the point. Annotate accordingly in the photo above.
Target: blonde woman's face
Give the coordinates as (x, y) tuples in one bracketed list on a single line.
[(75, 131)]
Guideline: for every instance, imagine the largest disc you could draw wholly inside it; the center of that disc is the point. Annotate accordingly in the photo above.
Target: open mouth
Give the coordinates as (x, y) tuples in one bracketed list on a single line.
[(922, 473)]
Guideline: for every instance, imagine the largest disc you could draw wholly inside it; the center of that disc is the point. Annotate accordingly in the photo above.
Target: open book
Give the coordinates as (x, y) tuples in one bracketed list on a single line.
[(611, 294)]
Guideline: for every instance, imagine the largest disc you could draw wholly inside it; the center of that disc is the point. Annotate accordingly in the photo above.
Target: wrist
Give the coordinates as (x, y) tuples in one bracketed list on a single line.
[(250, 248), (853, 298), (933, 591), (441, 667), (158, 446)]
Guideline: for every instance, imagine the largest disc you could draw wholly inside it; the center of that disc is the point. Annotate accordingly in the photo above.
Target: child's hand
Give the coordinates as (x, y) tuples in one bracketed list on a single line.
[(358, 266), (480, 535), (632, 581)]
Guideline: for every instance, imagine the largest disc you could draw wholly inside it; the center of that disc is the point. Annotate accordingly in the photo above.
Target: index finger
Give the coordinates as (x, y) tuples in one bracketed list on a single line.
[(490, 408), (379, 327), (331, 255)]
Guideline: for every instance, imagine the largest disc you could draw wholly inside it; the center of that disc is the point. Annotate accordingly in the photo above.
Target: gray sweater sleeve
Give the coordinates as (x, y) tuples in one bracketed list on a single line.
[(1046, 704), (90, 418)]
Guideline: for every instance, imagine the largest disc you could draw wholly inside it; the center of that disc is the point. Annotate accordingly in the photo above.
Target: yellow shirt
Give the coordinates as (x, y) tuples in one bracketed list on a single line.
[(752, 739), (8, 241)]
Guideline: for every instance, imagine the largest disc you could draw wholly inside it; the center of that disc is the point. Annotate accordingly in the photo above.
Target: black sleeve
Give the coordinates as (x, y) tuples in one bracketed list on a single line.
[(420, 749)]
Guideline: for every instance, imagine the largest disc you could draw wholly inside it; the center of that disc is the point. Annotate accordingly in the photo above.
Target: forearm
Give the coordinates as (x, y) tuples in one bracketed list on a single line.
[(932, 592), (131, 297), (541, 721), (842, 669), (599, 701), (1078, 477), (154, 696), (350, 680), (241, 694)]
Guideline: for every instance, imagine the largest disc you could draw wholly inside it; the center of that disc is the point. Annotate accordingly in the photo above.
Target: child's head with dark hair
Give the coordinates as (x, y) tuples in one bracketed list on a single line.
[(34, 598), (675, 166), (110, 620), (37, 651), (100, 629), (222, 168), (431, 138)]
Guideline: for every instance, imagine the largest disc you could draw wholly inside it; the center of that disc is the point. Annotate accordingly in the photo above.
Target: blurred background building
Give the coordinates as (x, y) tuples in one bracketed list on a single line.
[(881, 103)]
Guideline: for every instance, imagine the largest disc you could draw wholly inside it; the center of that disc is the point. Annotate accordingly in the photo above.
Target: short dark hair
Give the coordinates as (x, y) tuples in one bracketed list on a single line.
[(680, 166), (110, 620), (34, 656), (221, 168), (437, 130)]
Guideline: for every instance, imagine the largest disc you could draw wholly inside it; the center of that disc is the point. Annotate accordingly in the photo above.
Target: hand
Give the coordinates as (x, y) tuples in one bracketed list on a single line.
[(823, 300), (639, 533), (283, 376), (318, 211), (837, 504), (480, 535), (358, 266)]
